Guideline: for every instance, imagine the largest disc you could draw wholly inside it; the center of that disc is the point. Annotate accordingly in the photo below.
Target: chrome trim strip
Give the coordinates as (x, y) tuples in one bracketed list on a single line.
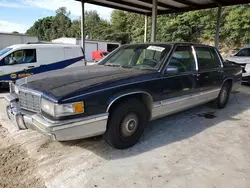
[(64, 124), (195, 59), (123, 95), (222, 65), (10, 98), (173, 105), (185, 97)]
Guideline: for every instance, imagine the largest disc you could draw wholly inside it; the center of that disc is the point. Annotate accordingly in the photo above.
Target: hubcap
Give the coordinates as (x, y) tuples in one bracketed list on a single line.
[(223, 97), (129, 124)]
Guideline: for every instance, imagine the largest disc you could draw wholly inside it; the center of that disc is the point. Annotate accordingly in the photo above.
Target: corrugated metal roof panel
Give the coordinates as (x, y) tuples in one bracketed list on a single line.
[(164, 6)]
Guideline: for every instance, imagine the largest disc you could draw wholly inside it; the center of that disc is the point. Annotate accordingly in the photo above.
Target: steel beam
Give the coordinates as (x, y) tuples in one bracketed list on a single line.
[(154, 21), (83, 31), (217, 34), (146, 29)]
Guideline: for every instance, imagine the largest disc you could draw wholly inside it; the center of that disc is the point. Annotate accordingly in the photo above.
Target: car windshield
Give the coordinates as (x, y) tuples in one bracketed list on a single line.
[(245, 52), (142, 56), (4, 51)]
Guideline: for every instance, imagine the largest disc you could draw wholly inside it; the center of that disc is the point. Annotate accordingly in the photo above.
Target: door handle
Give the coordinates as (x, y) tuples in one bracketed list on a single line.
[(196, 74), (31, 67)]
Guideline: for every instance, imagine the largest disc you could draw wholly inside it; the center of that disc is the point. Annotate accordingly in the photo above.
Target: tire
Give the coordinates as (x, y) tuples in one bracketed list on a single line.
[(223, 97), (126, 124)]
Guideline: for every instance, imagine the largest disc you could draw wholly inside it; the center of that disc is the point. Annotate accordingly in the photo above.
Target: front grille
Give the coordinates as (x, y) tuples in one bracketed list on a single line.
[(29, 100)]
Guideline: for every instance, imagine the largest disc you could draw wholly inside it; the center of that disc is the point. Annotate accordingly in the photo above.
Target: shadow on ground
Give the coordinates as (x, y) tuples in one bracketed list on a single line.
[(172, 128)]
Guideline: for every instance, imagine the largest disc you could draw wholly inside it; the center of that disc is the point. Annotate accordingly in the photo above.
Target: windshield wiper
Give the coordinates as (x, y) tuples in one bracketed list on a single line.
[(126, 66), (112, 65)]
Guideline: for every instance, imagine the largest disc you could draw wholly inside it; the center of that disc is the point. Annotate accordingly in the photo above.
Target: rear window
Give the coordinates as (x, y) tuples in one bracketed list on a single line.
[(205, 58)]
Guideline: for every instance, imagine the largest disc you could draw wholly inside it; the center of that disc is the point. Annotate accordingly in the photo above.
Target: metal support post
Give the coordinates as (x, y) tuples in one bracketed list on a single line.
[(154, 21)]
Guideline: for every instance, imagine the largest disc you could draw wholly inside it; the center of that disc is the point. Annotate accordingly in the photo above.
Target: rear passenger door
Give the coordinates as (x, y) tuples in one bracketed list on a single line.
[(210, 68)]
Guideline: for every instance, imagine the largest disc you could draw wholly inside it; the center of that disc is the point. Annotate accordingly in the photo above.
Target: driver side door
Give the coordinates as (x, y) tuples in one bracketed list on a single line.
[(179, 82)]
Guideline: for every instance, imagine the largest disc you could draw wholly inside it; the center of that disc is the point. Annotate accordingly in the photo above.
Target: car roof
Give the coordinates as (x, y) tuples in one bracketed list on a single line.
[(170, 43), (49, 45)]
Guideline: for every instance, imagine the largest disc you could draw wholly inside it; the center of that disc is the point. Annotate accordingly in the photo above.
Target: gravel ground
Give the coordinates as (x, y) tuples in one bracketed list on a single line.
[(201, 147)]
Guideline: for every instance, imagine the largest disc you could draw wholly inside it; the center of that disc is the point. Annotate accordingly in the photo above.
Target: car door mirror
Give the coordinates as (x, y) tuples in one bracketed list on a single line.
[(172, 70)]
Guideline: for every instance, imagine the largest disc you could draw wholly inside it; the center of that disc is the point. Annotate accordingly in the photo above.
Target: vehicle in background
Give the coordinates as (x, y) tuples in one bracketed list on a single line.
[(243, 59), (21, 60), (90, 45), (118, 97), (98, 55)]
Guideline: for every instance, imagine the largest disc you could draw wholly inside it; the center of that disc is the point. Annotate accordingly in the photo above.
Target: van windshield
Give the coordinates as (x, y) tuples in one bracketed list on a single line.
[(4, 51)]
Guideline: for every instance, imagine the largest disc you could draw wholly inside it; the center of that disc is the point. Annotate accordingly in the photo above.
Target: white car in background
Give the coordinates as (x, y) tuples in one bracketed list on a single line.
[(21, 60), (243, 58)]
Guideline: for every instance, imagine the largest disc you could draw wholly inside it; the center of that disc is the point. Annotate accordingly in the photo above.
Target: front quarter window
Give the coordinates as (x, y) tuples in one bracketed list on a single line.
[(141, 56), (4, 51)]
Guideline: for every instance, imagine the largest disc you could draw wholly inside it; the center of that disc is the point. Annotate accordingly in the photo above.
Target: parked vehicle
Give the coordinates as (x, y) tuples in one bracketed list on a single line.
[(23, 60), (98, 55), (243, 58), (117, 98)]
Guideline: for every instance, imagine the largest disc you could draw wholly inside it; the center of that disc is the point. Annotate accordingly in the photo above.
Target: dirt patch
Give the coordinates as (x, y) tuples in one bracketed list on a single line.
[(16, 169)]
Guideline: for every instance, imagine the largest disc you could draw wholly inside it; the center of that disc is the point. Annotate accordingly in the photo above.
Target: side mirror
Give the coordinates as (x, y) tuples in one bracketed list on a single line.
[(172, 70)]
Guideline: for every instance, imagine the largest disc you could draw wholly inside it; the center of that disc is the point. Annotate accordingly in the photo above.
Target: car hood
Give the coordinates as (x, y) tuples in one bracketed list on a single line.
[(239, 60), (62, 82)]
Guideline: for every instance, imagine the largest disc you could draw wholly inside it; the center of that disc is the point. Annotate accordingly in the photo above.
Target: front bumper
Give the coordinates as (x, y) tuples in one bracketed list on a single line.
[(57, 130)]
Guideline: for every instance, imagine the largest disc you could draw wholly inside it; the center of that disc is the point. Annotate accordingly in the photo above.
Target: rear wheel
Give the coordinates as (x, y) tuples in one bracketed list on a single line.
[(126, 124), (223, 97)]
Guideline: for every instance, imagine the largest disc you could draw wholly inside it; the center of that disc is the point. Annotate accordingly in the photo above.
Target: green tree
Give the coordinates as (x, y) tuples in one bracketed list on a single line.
[(61, 23), (42, 28), (237, 26)]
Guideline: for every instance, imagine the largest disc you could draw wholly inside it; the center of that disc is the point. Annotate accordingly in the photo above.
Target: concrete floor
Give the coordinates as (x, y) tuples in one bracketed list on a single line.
[(201, 147)]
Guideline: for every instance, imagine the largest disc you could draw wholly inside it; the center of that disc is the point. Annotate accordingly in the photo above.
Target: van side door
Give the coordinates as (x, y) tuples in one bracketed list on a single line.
[(210, 68), (19, 63)]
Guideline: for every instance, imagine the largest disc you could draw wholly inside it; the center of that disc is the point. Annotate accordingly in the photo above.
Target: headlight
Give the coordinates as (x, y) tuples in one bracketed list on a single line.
[(60, 110)]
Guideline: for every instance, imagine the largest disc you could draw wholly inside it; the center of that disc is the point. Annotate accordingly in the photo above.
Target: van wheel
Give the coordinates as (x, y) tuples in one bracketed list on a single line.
[(223, 97), (126, 124)]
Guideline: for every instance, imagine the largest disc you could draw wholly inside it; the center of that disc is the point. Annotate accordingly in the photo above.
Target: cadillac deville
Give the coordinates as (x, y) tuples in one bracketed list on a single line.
[(131, 86)]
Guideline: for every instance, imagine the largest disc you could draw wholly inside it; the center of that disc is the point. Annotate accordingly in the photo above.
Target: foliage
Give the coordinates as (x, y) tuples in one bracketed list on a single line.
[(124, 27)]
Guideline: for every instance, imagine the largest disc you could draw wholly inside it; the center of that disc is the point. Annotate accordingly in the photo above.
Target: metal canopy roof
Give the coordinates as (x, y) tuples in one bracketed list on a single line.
[(164, 6)]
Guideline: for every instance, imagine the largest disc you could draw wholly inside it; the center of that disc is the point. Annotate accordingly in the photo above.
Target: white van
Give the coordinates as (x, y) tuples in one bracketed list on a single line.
[(22, 60)]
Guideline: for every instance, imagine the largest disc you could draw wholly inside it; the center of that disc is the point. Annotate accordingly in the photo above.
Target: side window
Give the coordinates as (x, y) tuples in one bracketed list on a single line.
[(183, 59), (217, 62), (205, 58), (244, 52), (21, 57)]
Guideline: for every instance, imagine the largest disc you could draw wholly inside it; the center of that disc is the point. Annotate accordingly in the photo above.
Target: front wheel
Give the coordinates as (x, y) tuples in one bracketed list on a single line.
[(223, 97), (126, 124)]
